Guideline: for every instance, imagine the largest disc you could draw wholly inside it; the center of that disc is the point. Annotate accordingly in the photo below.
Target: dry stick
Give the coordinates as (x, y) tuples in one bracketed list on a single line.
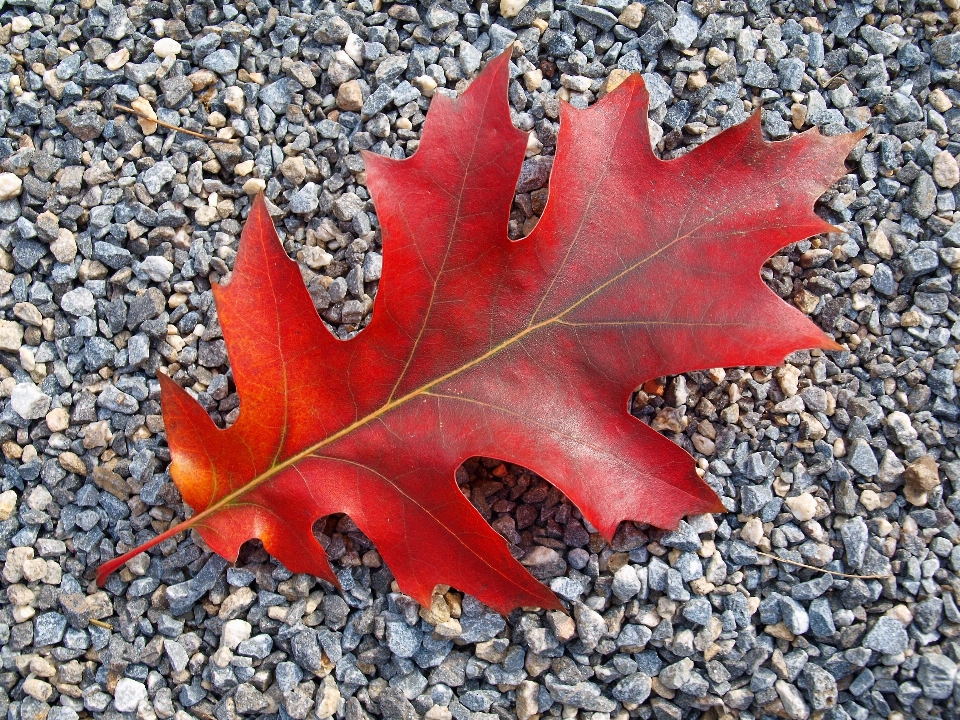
[(101, 623), (167, 125), (811, 567)]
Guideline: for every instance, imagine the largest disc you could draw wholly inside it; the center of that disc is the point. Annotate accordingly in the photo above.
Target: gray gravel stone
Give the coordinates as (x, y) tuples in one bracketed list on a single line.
[(305, 200), (920, 262), (634, 688), (221, 61), (794, 616), (626, 584), (862, 459), (886, 636), (48, 629), (760, 75), (402, 639), (936, 675), (182, 596), (277, 95), (855, 537), (821, 618), (157, 176), (177, 655)]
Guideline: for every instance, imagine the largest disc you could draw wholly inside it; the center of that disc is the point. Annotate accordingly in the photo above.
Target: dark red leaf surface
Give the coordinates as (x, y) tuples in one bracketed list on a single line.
[(526, 351)]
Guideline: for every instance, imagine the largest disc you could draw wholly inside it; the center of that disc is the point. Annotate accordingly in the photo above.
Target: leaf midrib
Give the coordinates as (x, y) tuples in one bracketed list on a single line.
[(225, 502)]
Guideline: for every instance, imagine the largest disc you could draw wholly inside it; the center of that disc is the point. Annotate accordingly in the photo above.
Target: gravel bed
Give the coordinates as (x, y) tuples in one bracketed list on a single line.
[(112, 231)]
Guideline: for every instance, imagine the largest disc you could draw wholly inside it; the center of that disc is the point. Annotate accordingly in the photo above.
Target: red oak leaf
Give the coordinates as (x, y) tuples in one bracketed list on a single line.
[(526, 351)]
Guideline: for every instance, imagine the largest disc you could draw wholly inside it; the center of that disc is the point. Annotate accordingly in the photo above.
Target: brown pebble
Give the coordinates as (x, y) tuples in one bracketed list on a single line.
[(201, 79), (921, 476)]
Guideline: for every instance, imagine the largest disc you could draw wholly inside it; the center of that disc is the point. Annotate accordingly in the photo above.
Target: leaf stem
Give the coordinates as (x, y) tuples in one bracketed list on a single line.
[(112, 565), (161, 123), (105, 570), (831, 572)]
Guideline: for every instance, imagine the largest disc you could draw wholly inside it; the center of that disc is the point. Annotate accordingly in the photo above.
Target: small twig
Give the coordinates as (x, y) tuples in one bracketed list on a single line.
[(101, 623), (161, 123), (843, 81), (831, 572)]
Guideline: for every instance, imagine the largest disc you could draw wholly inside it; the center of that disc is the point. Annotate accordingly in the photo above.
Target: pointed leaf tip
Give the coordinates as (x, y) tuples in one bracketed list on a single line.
[(259, 210), (830, 344)]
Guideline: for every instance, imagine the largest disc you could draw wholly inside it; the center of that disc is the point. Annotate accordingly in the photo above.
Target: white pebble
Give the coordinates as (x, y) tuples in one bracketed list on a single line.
[(752, 532), (877, 241), (426, 85), (22, 613), (354, 48), (166, 47), (11, 336), (10, 186), (157, 268), (316, 258), (64, 248), (233, 99), (29, 402), (78, 302), (128, 694), (329, 700), (206, 215), (34, 569), (533, 79), (147, 115), (534, 146), (939, 100), (13, 567), (235, 632), (37, 689), (803, 507), (21, 595), (512, 8), (39, 498), (8, 503), (253, 186), (788, 376), (870, 499), (115, 61)]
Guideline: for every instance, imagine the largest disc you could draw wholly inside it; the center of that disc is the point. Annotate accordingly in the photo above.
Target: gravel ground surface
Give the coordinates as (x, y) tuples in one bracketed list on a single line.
[(111, 232)]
